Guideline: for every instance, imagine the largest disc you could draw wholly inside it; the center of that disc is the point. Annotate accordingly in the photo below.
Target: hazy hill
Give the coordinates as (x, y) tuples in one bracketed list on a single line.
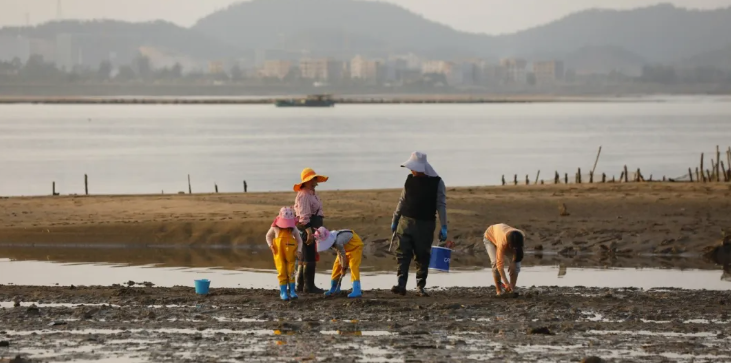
[(355, 25), (660, 33), (157, 34), (718, 58)]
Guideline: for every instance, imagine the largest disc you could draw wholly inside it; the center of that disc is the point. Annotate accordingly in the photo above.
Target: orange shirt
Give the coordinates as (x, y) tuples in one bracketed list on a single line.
[(498, 235)]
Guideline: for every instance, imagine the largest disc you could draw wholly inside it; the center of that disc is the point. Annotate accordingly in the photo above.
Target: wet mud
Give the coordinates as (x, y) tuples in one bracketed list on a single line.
[(138, 323)]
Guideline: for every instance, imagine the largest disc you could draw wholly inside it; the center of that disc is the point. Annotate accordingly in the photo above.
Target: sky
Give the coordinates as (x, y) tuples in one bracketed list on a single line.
[(483, 16)]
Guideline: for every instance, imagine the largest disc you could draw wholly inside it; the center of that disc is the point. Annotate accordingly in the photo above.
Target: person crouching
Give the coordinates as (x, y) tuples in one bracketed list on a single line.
[(349, 248), (504, 242), (286, 245)]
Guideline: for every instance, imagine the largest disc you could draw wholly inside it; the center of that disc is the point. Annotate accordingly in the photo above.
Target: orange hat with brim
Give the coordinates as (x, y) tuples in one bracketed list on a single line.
[(307, 175)]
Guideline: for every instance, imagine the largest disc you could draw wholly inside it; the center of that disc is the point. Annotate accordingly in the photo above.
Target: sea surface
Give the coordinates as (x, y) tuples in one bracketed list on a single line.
[(153, 148)]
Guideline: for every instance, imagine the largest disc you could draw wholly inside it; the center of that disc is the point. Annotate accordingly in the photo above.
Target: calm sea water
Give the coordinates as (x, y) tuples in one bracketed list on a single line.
[(148, 149)]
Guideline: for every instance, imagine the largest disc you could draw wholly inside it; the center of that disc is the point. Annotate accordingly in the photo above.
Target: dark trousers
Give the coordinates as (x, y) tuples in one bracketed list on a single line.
[(309, 252), (414, 239)]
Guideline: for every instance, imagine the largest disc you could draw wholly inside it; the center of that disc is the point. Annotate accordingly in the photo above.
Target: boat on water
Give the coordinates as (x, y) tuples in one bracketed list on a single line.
[(309, 101)]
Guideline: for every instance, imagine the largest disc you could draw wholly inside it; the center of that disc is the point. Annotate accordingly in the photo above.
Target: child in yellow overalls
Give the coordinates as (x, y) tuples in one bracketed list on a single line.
[(349, 248), (286, 244)]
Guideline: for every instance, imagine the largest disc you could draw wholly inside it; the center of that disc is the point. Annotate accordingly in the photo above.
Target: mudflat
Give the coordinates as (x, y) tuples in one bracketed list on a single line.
[(628, 219), (135, 323)]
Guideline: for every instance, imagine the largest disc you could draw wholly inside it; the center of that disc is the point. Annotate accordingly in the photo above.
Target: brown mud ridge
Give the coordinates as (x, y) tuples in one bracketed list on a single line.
[(602, 219), (457, 324)]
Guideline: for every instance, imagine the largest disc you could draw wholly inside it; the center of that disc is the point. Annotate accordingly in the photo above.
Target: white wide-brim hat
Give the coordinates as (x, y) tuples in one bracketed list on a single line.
[(324, 238), (417, 162)]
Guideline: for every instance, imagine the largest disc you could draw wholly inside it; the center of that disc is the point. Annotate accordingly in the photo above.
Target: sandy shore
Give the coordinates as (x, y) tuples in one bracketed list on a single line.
[(453, 325), (616, 219)]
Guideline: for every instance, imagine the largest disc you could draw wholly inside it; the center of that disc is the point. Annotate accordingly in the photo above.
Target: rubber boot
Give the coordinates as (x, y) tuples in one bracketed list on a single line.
[(334, 288), (310, 286), (356, 290), (283, 292), (292, 293), (300, 278)]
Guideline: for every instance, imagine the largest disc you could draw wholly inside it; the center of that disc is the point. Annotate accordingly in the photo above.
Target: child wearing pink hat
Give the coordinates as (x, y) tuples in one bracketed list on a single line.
[(286, 244), (349, 247)]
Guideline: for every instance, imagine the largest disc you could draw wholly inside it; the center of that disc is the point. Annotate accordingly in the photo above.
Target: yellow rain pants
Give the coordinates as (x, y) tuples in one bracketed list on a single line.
[(285, 252), (354, 253)]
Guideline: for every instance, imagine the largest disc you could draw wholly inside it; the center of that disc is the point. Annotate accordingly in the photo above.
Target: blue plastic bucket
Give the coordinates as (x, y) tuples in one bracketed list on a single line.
[(201, 286), (440, 258)]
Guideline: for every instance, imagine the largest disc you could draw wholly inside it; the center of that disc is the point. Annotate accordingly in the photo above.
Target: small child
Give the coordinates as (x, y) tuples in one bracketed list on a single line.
[(349, 248), (286, 244), (504, 242)]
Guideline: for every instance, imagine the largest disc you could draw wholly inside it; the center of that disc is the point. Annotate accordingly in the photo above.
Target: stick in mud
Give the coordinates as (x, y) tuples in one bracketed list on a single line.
[(503, 180), (621, 176), (86, 184), (215, 186), (626, 175), (591, 177), (690, 174), (537, 175), (53, 190), (604, 177), (190, 191), (527, 179), (566, 178), (515, 179), (597, 160), (704, 177), (556, 178), (697, 175), (718, 159)]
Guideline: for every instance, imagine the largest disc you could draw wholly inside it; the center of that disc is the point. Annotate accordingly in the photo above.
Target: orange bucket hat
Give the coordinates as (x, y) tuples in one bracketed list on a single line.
[(307, 175)]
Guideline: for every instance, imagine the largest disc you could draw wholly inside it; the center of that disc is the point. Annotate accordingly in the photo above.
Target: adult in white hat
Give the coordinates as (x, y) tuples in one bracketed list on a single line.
[(414, 222)]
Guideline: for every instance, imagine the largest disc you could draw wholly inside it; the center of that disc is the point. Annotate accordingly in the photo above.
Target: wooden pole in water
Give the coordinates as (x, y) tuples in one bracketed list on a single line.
[(190, 191), (690, 174), (86, 184), (537, 175), (596, 161), (718, 161), (626, 175), (515, 179)]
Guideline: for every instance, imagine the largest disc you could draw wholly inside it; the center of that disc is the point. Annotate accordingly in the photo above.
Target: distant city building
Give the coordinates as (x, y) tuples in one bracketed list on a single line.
[(14, 47), (43, 48), (437, 67), (216, 67), (516, 70), (276, 69), (323, 69), (548, 71), (365, 69), (261, 56)]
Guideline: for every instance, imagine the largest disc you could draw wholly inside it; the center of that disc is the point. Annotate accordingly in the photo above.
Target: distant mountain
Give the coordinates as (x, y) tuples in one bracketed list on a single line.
[(660, 33), (158, 34), (326, 26)]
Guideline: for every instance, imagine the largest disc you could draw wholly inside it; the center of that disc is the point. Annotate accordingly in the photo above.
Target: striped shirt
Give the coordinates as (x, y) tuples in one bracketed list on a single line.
[(306, 205)]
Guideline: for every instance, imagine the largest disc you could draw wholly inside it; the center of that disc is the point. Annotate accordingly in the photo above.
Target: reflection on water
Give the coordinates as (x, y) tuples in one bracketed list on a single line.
[(40, 273)]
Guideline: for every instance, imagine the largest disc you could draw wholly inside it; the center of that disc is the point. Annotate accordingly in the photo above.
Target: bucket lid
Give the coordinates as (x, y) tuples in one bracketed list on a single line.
[(441, 248), (203, 280)]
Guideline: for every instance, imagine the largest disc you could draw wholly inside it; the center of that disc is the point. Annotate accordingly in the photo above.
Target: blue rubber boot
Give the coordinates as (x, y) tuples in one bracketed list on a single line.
[(334, 288), (292, 292), (283, 292), (356, 290)]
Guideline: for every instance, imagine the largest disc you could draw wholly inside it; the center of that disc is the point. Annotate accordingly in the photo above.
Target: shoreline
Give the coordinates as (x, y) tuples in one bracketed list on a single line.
[(610, 220), (345, 100)]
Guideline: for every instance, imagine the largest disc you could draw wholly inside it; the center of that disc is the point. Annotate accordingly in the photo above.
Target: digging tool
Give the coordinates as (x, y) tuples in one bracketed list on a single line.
[(393, 236), (340, 280)]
